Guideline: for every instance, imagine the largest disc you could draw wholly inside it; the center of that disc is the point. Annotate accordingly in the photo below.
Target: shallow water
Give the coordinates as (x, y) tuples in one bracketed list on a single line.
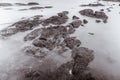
[(105, 42)]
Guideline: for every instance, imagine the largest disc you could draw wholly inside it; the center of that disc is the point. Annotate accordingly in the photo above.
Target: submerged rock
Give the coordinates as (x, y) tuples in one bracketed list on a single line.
[(5, 4), (21, 26)]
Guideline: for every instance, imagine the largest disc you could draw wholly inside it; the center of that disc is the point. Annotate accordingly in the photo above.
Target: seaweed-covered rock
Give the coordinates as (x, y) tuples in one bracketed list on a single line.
[(76, 23), (72, 42), (70, 29)]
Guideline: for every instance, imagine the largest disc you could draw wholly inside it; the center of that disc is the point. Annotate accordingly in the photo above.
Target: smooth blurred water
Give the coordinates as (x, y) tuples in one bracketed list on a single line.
[(105, 42)]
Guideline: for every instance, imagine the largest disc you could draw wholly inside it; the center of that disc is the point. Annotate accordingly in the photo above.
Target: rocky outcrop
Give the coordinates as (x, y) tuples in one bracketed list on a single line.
[(94, 14), (33, 3), (76, 23)]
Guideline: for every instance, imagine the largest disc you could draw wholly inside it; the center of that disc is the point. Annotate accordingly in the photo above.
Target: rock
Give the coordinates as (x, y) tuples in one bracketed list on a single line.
[(92, 5), (21, 26), (85, 21), (101, 9), (98, 21), (96, 14), (35, 52), (20, 4), (70, 29), (87, 12), (32, 35), (8, 31), (76, 23), (91, 33), (33, 3), (75, 17), (48, 7), (72, 42), (56, 20), (35, 8), (82, 57), (5, 4)]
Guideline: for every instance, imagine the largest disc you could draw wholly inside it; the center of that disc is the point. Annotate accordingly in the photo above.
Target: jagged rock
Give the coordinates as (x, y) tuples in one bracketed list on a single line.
[(96, 14), (56, 20), (75, 17), (32, 35), (76, 23), (93, 5), (5, 4), (85, 21), (33, 3), (72, 42)]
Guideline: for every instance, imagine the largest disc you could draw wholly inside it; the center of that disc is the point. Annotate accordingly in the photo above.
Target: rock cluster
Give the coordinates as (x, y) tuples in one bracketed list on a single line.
[(95, 14)]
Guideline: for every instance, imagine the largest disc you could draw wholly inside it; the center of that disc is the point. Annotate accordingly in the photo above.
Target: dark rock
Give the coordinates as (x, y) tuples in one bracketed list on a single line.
[(76, 23), (93, 5), (87, 12), (85, 21), (20, 4), (82, 57), (98, 21), (21, 26), (91, 33), (96, 14), (5, 4), (48, 7), (8, 32), (72, 42), (35, 8), (56, 20), (75, 17), (70, 29), (101, 9), (33, 3)]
